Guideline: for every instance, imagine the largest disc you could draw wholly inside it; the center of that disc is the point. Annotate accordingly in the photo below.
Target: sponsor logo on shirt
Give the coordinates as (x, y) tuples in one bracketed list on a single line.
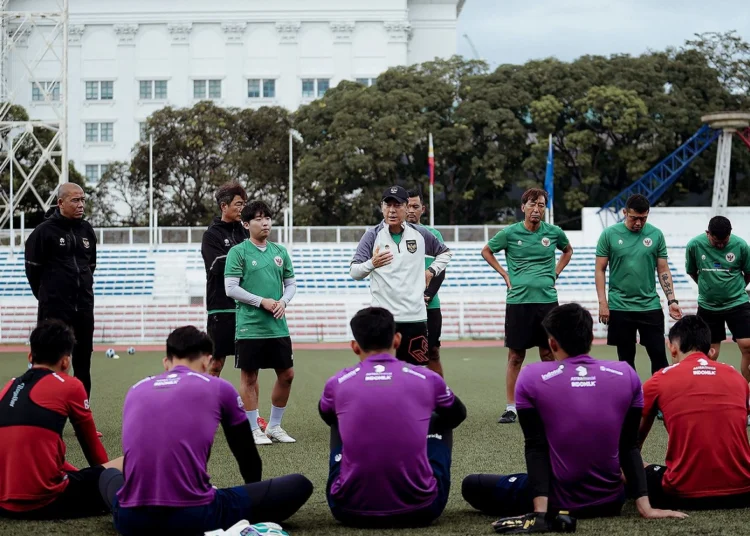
[(583, 379), (226, 241), (337, 458), (279, 261), (520, 243), (730, 257), (619, 242), (85, 243), (666, 369), (704, 369), (613, 371), (411, 246), (14, 398), (62, 241), (349, 375), (545, 242), (551, 374), (434, 436), (414, 373), (379, 375), (171, 379), (647, 242)]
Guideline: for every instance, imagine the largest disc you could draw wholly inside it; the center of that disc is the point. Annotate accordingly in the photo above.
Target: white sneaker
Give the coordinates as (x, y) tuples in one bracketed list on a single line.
[(277, 433), (234, 530), (261, 438)]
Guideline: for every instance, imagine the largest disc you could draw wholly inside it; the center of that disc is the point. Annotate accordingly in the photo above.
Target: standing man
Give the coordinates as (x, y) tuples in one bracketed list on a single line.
[(393, 253), (260, 276), (415, 208), (634, 250), (60, 263), (224, 232), (530, 254), (720, 263)]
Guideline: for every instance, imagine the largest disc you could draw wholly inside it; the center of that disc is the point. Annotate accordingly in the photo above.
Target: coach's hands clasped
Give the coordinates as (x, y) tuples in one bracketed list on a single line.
[(380, 259), (276, 308)]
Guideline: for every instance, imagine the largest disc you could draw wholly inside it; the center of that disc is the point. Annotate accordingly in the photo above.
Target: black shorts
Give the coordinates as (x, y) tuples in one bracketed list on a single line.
[(255, 354), (434, 327), (660, 499), (81, 498), (523, 325), (221, 329), (737, 319), (623, 325), (413, 348)]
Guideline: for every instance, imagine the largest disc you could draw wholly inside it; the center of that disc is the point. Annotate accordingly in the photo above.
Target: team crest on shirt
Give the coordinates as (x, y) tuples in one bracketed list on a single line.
[(279, 261), (545, 242), (255, 263), (520, 243), (647, 242), (62, 241), (703, 257), (86, 243), (730, 257), (411, 246)]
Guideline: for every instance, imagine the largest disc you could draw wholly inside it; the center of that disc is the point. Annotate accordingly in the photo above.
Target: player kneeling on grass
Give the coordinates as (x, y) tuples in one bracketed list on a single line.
[(705, 407), (580, 420), (168, 427), (383, 475), (35, 480)]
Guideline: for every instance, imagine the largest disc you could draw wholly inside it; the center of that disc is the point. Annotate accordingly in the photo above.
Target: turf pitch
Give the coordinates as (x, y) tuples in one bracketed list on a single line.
[(481, 445)]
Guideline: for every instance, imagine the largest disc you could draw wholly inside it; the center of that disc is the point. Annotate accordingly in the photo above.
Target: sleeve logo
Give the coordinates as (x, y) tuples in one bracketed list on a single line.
[(239, 402), (86, 404)]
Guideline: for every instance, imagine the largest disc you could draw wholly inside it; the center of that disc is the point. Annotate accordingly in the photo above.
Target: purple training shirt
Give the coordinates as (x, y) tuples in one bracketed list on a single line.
[(384, 407), (582, 402), (168, 427)]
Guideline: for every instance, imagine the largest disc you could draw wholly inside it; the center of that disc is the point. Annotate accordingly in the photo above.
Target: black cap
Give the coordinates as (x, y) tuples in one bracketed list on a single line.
[(396, 192)]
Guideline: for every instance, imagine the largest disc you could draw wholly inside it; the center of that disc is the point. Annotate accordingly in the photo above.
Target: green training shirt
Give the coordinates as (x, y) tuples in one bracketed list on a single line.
[(530, 257), (632, 266), (261, 273), (721, 282), (435, 303)]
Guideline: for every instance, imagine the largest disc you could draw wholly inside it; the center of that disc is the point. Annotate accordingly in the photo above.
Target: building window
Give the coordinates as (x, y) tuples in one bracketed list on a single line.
[(153, 90), (203, 88), (38, 90), (96, 90), (367, 82), (100, 132), (312, 87), (95, 172), (261, 88)]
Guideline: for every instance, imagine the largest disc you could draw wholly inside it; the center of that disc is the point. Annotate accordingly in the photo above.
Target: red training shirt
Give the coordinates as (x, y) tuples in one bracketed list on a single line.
[(705, 407), (33, 411)]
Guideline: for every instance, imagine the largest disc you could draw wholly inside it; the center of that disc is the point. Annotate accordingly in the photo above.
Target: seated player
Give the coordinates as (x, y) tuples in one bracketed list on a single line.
[(386, 474), (35, 480), (580, 420), (168, 427), (705, 406)]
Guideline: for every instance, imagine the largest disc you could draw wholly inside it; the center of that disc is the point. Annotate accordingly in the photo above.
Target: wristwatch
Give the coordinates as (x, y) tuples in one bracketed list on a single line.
[(431, 269), (670, 302)]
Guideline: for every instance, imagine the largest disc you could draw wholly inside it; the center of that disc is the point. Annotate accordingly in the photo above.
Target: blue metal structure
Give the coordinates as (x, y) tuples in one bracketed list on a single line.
[(659, 178)]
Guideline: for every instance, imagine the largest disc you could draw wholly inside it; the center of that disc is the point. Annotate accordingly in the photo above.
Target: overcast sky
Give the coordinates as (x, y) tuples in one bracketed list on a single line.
[(515, 31)]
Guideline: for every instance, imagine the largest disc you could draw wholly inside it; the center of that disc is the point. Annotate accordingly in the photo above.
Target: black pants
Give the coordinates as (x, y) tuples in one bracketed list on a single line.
[(661, 499), (273, 500), (510, 495), (82, 324), (622, 329)]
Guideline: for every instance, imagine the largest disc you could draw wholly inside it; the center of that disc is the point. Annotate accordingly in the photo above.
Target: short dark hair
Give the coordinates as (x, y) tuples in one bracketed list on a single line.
[(572, 327), (720, 227), (227, 192), (638, 203), (254, 208), (373, 328), (693, 334), (532, 194), (50, 341), (416, 193), (188, 342)]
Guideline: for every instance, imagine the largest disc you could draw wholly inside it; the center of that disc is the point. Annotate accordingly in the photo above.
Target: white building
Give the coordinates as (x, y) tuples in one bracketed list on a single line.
[(130, 58)]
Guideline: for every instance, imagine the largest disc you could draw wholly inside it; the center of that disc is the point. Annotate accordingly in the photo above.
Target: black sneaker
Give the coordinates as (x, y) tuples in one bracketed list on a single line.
[(508, 417)]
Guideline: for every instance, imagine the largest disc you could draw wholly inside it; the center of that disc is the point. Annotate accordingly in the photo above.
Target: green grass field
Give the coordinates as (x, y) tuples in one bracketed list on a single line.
[(481, 445)]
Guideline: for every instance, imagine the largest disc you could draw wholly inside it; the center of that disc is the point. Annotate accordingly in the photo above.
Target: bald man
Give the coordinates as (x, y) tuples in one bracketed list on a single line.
[(60, 263)]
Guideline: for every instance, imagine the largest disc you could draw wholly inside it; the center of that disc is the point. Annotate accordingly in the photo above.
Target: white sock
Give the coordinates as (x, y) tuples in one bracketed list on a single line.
[(252, 416), (511, 407), (276, 415)]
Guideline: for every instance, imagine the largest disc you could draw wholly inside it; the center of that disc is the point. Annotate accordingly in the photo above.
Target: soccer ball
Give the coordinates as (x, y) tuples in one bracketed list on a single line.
[(131, 351), (110, 353)]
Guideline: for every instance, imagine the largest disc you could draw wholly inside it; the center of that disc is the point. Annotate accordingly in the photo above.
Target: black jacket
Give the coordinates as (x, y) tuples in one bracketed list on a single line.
[(217, 241), (60, 263)]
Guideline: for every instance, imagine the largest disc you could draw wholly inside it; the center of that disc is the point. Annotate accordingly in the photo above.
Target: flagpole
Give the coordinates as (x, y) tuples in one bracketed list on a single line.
[(431, 161), (151, 231)]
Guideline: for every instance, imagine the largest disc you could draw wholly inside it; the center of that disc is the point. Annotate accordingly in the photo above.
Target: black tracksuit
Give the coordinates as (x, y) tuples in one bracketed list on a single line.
[(60, 263)]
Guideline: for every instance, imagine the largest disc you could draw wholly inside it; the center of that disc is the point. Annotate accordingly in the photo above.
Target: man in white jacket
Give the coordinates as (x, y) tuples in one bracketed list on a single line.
[(393, 254)]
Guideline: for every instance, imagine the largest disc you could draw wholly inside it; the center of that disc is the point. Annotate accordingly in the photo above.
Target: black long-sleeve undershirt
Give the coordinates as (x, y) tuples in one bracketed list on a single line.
[(241, 443), (630, 455)]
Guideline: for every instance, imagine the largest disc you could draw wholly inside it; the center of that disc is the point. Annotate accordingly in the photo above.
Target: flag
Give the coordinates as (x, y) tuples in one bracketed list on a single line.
[(549, 179), (431, 162)]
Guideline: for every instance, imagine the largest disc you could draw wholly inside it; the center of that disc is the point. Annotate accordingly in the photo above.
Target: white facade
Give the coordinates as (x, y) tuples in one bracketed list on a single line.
[(129, 58)]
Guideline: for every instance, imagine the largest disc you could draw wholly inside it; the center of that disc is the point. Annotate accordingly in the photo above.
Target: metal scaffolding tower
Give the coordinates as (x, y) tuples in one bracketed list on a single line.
[(34, 61)]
